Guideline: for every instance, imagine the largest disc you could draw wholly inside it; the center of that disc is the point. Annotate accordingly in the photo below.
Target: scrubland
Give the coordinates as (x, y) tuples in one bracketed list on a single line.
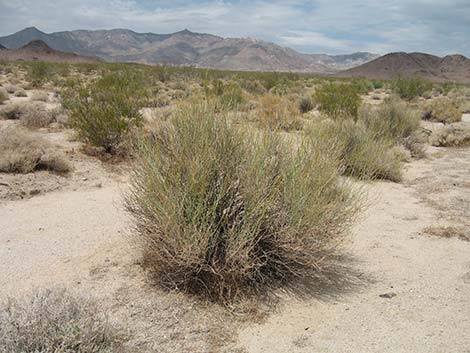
[(207, 199)]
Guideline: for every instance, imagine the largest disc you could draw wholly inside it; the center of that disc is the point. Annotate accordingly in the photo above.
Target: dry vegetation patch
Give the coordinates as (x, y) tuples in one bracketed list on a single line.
[(448, 232), (23, 152), (55, 321)]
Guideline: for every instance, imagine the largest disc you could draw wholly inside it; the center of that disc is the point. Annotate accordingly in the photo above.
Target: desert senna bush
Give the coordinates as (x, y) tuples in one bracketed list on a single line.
[(364, 153), (338, 100), (56, 321), (278, 113), (104, 112), (225, 212)]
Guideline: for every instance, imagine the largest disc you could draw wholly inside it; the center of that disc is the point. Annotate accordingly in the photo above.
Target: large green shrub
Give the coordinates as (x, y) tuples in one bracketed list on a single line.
[(104, 112), (338, 101), (222, 211), (410, 87), (39, 72)]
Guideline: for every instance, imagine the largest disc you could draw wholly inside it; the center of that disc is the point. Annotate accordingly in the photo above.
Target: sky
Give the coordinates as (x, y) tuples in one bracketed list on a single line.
[(438, 27)]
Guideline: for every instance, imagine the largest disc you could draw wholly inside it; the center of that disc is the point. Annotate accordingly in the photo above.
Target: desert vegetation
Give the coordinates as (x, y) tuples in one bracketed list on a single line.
[(239, 186)]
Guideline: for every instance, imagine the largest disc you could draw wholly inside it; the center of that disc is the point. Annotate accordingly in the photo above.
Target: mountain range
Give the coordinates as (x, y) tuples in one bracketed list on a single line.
[(38, 50), (451, 68), (186, 48)]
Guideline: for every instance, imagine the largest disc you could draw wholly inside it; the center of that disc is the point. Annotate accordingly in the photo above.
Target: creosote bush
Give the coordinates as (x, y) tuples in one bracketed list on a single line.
[(410, 87), (305, 104), (105, 112), (55, 321), (338, 100), (224, 212), (23, 152)]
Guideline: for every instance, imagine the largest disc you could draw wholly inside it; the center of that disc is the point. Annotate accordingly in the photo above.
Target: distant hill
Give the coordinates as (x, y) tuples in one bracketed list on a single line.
[(2, 47), (38, 50), (187, 48), (451, 68)]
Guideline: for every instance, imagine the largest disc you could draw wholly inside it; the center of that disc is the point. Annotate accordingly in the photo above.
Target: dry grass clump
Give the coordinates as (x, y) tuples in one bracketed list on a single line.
[(454, 135), (21, 93), (222, 211), (448, 232), (4, 96), (278, 113), (40, 96), (11, 88), (54, 321), (31, 114), (23, 152), (305, 104), (442, 110)]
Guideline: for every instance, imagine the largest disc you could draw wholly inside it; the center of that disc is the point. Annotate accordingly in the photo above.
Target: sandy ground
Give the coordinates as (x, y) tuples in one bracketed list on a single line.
[(402, 289)]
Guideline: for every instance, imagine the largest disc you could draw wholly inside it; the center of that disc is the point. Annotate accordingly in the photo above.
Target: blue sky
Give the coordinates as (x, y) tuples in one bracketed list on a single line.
[(320, 26)]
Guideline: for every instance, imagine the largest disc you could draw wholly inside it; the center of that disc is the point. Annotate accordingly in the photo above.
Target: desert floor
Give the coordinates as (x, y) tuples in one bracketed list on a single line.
[(399, 289)]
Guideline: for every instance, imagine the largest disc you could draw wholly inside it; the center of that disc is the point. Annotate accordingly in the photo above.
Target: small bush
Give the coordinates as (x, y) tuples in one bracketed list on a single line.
[(23, 152), (362, 86), (222, 212), (363, 153), (393, 119), (278, 113), (4, 96), (451, 136), (39, 72), (40, 96), (338, 101), (442, 110), (105, 112), (305, 104), (21, 93), (377, 84), (11, 88), (410, 87), (54, 321)]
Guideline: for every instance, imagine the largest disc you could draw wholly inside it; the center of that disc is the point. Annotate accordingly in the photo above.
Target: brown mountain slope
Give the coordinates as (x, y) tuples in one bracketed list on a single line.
[(452, 68), (38, 50), (187, 48)]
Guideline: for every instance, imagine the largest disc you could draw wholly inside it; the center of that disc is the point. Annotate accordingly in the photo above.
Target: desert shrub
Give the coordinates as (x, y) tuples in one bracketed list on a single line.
[(338, 101), (392, 119), (278, 113), (442, 110), (364, 154), (377, 84), (39, 72), (11, 88), (410, 87), (23, 152), (54, 321), (40, 96), (31, 114), (362, 86), (3, 95), (224, 95), (104, 112), (454, 135), (305, 104), (21, 93), (252, 86), (222, 211)]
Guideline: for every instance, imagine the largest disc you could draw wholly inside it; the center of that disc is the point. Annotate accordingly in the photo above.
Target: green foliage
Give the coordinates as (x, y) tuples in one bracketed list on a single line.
[(363, 86), (364, 154), (104, 112), (338, 101), (305, 104), (222, 211), (377, 84), (39, 72), (393, 119), (410, 87)]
